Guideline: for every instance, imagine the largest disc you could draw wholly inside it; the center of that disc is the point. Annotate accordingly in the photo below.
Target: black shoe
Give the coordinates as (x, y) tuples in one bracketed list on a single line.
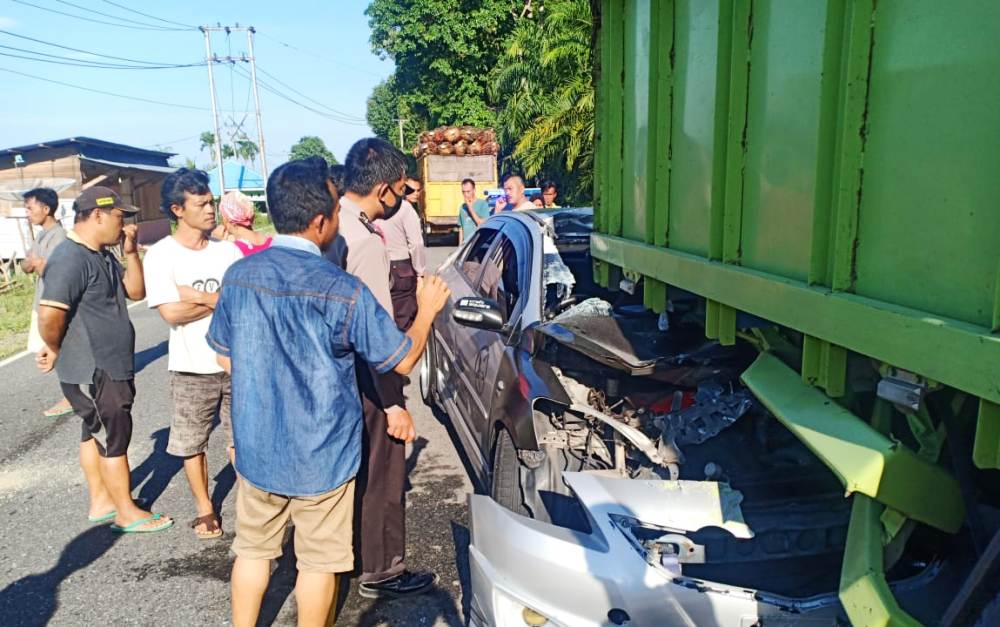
[(404, 584)]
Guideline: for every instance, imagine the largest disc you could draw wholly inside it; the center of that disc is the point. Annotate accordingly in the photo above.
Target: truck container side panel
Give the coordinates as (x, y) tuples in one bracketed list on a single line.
[(661, 38), (830, 120), (736, 134), (784, 101), (693, 135), (849, 159), (612, 72), (929, 231), (636, 154)]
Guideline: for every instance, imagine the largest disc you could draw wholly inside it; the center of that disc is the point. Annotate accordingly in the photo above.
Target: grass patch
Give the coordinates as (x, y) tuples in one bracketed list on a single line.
[(15, 316)]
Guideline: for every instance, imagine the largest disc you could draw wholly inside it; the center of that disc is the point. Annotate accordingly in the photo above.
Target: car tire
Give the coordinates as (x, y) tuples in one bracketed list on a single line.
[(506, 481), (427, 374)]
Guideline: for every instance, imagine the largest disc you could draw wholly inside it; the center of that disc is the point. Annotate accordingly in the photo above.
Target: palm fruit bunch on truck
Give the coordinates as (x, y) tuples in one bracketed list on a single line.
[(458, 141)]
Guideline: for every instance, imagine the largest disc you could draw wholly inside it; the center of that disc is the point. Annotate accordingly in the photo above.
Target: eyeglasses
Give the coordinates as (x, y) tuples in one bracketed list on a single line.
[(408, 189)]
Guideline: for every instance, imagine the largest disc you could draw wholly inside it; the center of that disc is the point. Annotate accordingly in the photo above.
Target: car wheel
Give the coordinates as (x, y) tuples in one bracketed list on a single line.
[(506, 487), (427, 374)]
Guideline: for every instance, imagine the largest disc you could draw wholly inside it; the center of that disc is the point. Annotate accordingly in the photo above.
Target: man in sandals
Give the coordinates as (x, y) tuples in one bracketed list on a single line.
[(288, 325), (40, 205), (83, 320), (183, 275)]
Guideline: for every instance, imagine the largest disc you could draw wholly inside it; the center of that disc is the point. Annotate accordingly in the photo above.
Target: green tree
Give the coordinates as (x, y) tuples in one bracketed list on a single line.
[(546, 84), (311, 146), (208, 143), (446, 54)]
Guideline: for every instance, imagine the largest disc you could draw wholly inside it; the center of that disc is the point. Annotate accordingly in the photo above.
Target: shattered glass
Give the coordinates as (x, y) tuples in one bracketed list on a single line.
[(555, 272), (592, 307), (715, 408)]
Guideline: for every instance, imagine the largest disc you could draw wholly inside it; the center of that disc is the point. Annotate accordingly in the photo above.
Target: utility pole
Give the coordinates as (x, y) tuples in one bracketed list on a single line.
[(256, 98), (215, 113), (401, 121)]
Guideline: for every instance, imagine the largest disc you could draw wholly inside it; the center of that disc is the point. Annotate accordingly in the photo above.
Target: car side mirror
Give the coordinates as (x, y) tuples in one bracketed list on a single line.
[(479, 313)]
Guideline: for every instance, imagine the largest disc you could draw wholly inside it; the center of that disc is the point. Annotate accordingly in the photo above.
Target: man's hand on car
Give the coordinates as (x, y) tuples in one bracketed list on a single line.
[(432, 294), (400, 425)]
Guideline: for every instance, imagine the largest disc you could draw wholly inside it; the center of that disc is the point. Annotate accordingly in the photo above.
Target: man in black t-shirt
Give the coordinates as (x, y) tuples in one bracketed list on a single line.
[(89, 339)]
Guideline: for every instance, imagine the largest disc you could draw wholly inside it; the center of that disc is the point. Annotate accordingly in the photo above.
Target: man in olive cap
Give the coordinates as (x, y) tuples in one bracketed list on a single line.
[(89, 339)]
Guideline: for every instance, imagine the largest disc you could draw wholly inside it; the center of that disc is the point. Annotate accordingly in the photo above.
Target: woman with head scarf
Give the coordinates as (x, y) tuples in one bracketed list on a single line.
[(237, 218)]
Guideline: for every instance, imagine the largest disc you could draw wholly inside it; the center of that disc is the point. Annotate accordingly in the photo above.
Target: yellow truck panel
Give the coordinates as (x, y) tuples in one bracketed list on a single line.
[(442, 177)]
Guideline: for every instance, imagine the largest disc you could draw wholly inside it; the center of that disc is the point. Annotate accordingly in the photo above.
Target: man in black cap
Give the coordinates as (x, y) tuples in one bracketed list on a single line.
[(89, 339)]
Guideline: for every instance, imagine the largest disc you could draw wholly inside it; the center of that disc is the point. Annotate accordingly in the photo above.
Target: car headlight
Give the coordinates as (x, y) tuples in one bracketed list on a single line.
[(511, 612)]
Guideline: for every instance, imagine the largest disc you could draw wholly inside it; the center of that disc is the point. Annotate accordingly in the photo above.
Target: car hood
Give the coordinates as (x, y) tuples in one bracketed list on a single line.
[(593, 328)]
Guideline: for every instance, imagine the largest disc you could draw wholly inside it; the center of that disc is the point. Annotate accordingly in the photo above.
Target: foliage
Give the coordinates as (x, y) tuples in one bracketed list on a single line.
[(242, 147), (446, 54), (311, 146), (547, 89), (15, 315)]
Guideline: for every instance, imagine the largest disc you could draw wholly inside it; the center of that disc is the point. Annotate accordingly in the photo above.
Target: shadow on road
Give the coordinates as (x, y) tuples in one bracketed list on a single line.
[(281, 585), (33, 600), (224, 482), (460, 535), (145, 357), (411, 462), (157, 470)]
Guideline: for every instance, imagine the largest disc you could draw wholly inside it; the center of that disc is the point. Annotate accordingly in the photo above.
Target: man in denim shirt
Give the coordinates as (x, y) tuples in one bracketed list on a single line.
[(287, 326)]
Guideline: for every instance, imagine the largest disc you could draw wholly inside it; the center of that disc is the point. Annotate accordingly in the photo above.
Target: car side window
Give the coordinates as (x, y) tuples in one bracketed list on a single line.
[(470, 263), (500, 278)]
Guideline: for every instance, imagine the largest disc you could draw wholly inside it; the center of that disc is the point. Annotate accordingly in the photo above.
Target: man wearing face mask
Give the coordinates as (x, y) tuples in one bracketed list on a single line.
[(376, 182), (404, 240)]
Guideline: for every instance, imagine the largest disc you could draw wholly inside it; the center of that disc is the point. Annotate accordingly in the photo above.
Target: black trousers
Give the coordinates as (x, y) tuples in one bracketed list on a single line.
[(403, 279), (381, 481)]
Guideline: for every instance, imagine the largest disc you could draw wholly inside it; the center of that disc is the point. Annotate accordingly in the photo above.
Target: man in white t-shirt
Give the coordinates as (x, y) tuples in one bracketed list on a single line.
[(183, 276)]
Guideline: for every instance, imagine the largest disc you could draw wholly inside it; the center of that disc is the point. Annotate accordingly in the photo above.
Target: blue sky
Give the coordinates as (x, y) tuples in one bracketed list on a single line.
[(318, 48)]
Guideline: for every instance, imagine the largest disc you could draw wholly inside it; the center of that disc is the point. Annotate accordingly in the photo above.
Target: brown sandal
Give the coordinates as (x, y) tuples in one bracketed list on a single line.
[(211, 522)]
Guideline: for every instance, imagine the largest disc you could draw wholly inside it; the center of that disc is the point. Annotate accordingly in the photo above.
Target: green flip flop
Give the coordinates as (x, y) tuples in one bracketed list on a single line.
[(134, 527), (103, 519)]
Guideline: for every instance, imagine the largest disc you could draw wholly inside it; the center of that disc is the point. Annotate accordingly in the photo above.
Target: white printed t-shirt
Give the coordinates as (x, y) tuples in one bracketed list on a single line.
[(168, 264)]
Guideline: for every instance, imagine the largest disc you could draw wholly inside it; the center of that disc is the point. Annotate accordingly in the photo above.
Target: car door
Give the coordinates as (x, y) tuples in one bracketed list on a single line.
[(452, 358), (504, 279)]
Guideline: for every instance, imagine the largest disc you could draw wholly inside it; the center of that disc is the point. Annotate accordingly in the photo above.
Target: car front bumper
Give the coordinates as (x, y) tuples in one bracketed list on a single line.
[(598, 578)]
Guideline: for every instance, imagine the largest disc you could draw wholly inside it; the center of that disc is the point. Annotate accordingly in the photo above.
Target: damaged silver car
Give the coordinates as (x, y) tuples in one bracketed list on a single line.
[(627, 477)]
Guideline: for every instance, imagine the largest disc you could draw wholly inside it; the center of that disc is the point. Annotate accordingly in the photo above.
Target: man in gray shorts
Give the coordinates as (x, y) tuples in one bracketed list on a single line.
[(183, 276)]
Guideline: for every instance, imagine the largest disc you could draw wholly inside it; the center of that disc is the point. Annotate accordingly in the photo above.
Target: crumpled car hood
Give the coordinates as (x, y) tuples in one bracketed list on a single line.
[(592, 329), (679, 505)]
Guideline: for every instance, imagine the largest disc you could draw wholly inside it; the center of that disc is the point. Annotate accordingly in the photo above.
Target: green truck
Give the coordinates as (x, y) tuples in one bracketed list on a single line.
[(823, 177)]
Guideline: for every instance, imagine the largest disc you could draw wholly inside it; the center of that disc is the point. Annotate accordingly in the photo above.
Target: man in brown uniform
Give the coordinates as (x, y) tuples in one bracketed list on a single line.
[(376, 181), (404, 241)]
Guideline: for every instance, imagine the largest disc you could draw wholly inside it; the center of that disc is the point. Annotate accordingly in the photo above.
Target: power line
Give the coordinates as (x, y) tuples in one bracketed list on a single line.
[(267, 87), (160, 19), (96, 54), (68, 61), (88, 19), (114, 17), (313, 100), (106, 93), (325, 59)]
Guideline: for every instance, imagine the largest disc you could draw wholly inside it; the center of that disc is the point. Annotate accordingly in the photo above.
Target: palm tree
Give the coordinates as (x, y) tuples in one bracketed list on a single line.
[(546, 94)]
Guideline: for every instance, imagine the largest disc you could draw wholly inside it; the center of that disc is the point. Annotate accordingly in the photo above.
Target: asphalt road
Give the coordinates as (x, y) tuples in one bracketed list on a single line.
[(59, 570)]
